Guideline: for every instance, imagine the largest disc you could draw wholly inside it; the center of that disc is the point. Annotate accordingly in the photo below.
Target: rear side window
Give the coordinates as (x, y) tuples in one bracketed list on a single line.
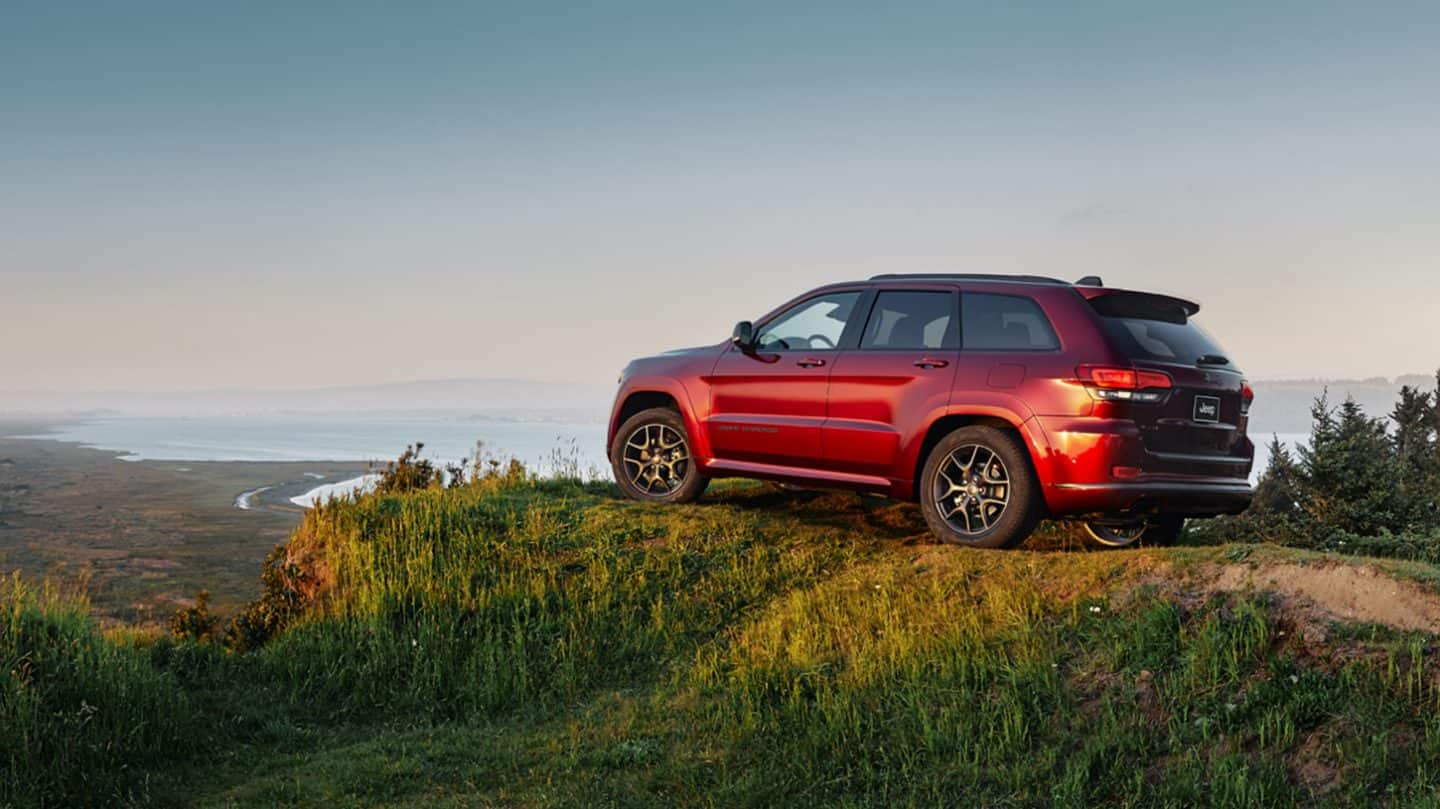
[(1004, 323), (1150, 331), (911, 320)]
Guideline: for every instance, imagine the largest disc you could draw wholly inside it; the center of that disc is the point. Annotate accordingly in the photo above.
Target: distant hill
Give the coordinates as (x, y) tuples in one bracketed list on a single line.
[(1283, 406)]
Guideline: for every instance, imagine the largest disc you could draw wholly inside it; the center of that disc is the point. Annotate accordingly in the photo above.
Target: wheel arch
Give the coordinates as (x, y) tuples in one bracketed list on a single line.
[(1033, 441), (646, 393), (640, 400)]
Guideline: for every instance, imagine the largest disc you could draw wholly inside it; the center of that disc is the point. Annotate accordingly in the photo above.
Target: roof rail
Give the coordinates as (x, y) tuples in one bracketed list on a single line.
[(948, 276)]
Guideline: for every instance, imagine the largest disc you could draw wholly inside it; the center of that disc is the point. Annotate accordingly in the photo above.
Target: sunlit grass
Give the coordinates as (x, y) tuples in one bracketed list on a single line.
[(533, 642)]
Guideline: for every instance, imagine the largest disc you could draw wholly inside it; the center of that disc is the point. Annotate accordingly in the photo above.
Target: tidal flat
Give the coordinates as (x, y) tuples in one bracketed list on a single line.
[(141, 537)]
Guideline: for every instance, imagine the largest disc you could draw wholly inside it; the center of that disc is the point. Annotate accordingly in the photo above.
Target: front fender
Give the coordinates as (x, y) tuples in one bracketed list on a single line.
[(673, 388)]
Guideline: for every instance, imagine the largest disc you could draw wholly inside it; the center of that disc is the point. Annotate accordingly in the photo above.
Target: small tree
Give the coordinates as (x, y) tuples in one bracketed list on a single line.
[(1414, 430), (1278, 491), (1434, 419), (1414, 441), (1351, 480)]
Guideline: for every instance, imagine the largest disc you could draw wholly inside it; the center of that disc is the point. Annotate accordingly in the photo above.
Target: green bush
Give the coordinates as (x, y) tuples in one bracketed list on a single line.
[(408, 473), (279, 603), (195, 622)]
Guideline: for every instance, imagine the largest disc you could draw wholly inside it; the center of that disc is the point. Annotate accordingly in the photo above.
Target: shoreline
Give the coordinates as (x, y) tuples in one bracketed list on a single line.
[(285, 490), (326, 491)]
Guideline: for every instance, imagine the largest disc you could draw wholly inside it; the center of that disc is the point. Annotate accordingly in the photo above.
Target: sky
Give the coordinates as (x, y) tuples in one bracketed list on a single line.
[(207, 195)]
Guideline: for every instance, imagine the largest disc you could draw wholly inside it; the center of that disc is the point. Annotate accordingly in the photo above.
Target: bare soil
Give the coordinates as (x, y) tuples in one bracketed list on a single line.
[(1345, 592)]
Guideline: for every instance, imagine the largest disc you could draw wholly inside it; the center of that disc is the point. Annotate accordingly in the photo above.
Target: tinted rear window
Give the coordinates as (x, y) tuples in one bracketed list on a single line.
[(1153, 332), (1004, 323), (911, 320)]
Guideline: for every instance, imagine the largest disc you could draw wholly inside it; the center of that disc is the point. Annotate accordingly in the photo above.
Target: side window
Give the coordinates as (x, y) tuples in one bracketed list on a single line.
[(813, 325), (1004, 323), (911, 320)]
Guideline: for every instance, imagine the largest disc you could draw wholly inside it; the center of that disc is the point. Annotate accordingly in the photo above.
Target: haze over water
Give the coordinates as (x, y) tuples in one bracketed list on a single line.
[(538, 444)]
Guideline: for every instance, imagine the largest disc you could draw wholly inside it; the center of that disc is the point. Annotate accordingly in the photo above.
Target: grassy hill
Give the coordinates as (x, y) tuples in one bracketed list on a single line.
[(543, 643)]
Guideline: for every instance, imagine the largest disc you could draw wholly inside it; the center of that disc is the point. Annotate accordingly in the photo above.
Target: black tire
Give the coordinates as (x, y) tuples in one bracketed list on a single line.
[(1006, 527), (1161, 530), (671, 481)]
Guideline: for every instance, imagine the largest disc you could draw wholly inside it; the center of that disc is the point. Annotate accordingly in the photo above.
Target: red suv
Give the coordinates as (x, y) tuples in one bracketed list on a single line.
[(993, 401)]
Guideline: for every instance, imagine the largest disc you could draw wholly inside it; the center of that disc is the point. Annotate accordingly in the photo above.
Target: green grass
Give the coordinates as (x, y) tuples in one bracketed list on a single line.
[(80, 714), (547, 644)]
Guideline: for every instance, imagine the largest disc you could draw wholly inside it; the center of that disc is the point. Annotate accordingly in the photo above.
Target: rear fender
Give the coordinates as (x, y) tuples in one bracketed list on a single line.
[(1017, 418)]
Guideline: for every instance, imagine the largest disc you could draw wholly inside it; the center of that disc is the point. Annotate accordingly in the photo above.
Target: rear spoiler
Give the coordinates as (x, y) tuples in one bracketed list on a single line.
[(1146, 305)]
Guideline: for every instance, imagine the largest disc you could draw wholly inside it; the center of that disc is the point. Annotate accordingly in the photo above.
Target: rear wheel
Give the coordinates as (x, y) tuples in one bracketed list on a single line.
[(978, 489), (1161, 530), (652, 460)]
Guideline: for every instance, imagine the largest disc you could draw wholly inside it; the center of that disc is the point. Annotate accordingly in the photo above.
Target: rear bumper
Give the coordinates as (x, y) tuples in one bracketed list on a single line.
[(1188, 498), (1088, 455)]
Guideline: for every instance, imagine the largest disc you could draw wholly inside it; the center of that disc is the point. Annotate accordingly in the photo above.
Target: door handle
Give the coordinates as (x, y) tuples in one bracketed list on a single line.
[(810, 362), (928, 363)]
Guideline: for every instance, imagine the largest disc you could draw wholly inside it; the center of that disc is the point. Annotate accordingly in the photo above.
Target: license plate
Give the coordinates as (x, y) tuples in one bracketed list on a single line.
[(1207, 409)]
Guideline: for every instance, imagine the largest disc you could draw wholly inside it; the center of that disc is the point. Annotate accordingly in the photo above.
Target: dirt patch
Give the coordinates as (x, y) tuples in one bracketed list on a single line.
[(1346, 592), (1312, 764)]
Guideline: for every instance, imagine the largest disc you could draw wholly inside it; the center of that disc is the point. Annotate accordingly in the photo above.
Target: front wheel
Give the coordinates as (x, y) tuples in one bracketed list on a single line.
[(1161, 530), (978, 489), (652, 460)]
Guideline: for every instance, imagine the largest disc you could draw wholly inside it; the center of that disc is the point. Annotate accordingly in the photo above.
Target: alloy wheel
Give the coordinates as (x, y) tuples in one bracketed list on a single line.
[(656, 459), (1117, 536), (972, 489)]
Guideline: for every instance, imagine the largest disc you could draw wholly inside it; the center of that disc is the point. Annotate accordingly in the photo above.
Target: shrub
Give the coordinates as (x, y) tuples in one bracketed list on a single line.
[(278, 604), (408, 473), (195, 622)]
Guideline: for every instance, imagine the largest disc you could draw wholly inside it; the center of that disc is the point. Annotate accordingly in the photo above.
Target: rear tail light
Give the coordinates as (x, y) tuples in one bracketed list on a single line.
[(1114, 384), (1247, 395)]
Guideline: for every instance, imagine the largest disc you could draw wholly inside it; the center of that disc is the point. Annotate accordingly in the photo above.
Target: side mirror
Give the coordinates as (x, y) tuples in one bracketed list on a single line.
[(744, 335)]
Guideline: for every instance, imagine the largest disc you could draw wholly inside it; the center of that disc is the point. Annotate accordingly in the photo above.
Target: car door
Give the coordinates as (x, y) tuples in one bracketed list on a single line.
[(884, 392), (767, 404)]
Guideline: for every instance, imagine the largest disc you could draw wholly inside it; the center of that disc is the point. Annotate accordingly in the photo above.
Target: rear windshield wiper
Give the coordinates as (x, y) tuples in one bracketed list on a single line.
[(1212, 359)]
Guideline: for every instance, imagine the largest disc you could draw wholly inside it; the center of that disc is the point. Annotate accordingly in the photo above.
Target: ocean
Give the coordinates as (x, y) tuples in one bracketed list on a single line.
[(540, 444)]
